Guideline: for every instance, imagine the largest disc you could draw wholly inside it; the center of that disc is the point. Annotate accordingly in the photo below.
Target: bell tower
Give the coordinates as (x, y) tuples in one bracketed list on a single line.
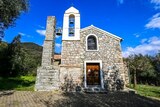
[(71, 24)]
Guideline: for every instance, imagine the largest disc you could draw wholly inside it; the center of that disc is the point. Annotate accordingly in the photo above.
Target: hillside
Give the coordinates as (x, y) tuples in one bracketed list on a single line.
[(32, 48), (26, 45), (29, 59), (15, 61), (32, 57)]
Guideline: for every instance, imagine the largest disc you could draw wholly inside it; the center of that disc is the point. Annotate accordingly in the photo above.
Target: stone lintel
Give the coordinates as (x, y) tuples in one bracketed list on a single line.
[(70, 66)]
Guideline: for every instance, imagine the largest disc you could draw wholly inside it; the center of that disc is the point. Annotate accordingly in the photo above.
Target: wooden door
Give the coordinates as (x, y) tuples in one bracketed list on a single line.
[(93, 73)]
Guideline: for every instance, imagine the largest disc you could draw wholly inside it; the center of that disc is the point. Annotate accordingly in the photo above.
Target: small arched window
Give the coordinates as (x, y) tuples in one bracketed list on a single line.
[(91, 43)]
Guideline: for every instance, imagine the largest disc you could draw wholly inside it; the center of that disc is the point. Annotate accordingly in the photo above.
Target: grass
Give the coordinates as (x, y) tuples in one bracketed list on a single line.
[(147, 90), (26, 83), (23, 83)]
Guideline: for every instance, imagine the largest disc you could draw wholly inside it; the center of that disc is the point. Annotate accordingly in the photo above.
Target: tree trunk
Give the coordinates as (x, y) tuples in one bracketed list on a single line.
[(134, 79)]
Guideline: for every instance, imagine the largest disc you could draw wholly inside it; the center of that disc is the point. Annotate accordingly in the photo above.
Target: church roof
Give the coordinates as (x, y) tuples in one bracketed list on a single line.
[(72, 10), (57, 57), (101, 30)]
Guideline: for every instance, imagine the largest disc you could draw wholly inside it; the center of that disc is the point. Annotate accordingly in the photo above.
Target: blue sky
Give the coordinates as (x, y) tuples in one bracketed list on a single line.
[(136, 21)]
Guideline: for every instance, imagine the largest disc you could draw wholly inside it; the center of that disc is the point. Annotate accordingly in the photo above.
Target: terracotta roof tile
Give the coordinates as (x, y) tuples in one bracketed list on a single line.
[(57, 57)]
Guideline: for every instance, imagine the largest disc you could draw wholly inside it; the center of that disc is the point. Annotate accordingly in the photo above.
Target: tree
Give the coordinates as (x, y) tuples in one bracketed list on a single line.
[(140, 66), (11, 57), (18, 58), (10, 10), (148, 72), (15, 56), (3, 58), (156, 63)]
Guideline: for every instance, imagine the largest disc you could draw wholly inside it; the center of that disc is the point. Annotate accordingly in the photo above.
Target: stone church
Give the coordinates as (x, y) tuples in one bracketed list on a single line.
[(91, 58)]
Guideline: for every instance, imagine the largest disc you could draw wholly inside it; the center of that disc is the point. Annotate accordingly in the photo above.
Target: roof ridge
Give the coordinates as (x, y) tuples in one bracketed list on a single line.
[(110, 34)]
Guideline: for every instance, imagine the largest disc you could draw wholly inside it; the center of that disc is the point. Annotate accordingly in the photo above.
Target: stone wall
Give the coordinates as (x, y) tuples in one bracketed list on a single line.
[(47, 78), (71, 78), (71, 53), (71, 63)]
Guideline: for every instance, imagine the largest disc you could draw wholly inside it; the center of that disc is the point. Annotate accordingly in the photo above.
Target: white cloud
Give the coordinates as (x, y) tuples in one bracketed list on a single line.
[(22, 34), (25, 35), (157, 7), (42, 27), (57, 37), (155, 1), (41, 32), (136, 35), (154, 40), (154, 22), (4, 40), (120, 1), (143, 40), (148, 46), (58, 45), (157, 4)]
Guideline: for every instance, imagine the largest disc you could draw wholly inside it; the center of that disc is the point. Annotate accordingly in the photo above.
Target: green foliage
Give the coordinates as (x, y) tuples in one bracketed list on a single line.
[(25, 83), (10, 10), (145, 69), (33, 54), (19, 58), (139, 63), (15, 56), (3, 57), (146, 90), (156, 62)]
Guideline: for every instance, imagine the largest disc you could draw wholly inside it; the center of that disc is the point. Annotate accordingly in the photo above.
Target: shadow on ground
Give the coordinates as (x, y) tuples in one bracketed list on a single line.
[(6, 93), (116, 99), (57, 99)]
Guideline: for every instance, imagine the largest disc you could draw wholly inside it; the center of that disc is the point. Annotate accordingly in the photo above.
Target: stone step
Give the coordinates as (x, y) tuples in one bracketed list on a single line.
[(49, 67), (94, 90), (47, 74), (48, 77), (48, 71)]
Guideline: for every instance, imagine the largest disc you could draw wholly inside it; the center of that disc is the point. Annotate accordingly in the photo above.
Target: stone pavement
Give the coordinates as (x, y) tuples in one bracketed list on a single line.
[(57, 99)]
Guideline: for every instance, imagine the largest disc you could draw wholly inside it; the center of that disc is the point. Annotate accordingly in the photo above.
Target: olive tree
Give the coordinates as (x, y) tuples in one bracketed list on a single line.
[(10, 10)]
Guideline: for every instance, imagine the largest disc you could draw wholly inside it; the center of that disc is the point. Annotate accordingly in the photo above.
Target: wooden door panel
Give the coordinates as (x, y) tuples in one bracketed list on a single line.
[(93, 73)]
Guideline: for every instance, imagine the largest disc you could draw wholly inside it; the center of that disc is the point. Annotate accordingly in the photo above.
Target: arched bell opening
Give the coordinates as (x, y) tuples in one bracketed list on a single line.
[(71, 25)]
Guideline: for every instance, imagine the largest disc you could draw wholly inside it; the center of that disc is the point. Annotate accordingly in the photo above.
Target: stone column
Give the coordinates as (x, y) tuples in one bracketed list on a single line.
[(48, 75), (48, 46)]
